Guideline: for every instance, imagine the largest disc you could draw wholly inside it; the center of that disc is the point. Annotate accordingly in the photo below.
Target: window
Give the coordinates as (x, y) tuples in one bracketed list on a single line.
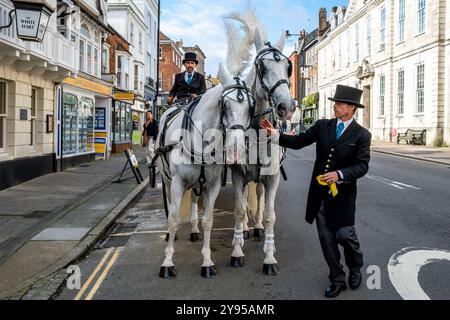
[(105, 60), (382, 28), (96, 63), (369, 35), (82, 64), (127, 75), (421, 16), (2, 116), (131, 32), (149, 65), (382, 94), (136, 77), (400, 92), (160, 53), (84, 30), (119, 71), (140, 42), (401, 20), (89, 58), (33, 133), (356, 43), (160, 82), (420, 88)]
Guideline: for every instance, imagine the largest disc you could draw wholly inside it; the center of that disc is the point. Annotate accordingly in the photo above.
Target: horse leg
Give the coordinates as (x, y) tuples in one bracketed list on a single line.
[(195, 232), (245, 200), (258, 231), (167, 268), (240, 211), (270, 266), (168, 185), (208, 267)]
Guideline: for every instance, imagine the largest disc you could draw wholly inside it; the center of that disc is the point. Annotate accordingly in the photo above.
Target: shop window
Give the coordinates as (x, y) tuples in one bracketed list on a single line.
[(2, 116), (122, 122), (78, 124)]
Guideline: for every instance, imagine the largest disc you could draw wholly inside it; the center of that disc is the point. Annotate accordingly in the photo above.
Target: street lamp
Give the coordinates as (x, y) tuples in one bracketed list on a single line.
[(32, 18)]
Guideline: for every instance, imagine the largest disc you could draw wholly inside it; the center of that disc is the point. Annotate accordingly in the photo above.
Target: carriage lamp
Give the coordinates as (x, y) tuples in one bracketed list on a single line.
[(32, 18)]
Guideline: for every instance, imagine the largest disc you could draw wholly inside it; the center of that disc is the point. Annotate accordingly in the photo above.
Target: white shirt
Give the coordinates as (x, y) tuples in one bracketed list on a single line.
[(186, 75)]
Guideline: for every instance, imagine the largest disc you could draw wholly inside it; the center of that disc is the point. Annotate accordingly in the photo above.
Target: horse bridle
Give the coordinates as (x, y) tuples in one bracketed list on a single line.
[(260, 70), (242, 90)]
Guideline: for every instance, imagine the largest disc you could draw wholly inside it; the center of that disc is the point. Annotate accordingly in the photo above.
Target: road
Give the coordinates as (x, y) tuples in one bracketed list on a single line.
[(402, 203)]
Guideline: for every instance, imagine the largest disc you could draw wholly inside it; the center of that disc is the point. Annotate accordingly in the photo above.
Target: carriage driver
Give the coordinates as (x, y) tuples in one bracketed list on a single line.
[(188, 84)]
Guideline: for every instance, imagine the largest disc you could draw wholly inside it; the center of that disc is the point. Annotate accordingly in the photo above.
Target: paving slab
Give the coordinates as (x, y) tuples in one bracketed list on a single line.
[(61, 234)]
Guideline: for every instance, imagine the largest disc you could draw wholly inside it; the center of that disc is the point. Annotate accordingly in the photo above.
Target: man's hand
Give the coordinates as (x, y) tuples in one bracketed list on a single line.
[(169, 100), (330, 177), (265, 124), (194, 96)]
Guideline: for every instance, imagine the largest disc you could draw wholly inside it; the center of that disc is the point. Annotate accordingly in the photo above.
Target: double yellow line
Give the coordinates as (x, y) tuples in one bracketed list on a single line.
[(102, 276)]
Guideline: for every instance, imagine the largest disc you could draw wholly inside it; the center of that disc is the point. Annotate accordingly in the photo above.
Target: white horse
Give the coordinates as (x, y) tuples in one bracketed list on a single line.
[(222, 107), (269, 78)]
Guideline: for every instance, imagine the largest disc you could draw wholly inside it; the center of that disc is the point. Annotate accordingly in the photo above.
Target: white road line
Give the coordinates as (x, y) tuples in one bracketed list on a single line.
[(404, 267), (392, 183)]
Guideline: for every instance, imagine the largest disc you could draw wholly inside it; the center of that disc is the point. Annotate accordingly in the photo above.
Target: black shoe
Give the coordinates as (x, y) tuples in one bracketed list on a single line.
[(354, 280), (334, 290)]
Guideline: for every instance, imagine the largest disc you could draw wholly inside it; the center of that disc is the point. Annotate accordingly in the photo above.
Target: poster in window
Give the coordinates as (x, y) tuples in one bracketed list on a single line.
[(100, 118)]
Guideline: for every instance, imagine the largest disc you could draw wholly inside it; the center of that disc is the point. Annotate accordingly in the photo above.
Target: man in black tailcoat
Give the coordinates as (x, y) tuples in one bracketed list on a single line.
[(342, 157), (188, 84)]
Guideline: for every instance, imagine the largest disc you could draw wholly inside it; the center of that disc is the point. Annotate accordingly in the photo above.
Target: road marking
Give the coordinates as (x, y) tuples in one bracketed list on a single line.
[(97, 269), (392, 183), (103, 275), (404, 267)]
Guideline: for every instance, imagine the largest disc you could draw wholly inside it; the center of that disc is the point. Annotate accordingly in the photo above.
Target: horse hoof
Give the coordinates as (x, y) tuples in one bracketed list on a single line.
[(167, 237), (167, 272), (209, 272), (270, 269), (258, 233), (195, 237), (246, 235), (237, 262)]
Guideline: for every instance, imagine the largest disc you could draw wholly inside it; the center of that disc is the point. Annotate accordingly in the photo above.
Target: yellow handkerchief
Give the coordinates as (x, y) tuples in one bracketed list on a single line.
[(333, 187)]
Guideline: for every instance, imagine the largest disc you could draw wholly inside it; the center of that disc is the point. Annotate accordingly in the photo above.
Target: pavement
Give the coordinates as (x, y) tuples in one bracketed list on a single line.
[(438, 155), (47, 222), (51, 221)]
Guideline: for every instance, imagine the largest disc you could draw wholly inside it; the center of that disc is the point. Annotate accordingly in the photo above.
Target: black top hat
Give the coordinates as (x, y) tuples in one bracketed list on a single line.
[(190, 56), (348, 95)]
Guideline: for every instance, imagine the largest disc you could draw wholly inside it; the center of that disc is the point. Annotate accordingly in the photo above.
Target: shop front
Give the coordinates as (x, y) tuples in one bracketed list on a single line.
[(122, 121), (81, 99)]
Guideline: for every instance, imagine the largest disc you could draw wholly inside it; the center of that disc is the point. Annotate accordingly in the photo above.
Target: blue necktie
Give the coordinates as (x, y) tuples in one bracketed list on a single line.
[(339, 130), (189, 78)]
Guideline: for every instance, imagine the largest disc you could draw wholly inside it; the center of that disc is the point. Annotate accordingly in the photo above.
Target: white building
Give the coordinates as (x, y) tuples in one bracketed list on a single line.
[(28, 73), (397, 52), (129, 21)]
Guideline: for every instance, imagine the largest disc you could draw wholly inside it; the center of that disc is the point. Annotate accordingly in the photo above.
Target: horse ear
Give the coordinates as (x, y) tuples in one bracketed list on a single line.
[(223, 74), (281, 41), (259, 41)]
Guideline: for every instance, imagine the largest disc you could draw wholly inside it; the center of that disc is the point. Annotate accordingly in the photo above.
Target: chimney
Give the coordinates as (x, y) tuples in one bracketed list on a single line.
[(322, 21)]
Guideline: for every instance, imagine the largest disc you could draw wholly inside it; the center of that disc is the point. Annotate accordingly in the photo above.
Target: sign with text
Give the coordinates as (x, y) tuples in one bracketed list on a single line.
[(100, 118), (124, 97)]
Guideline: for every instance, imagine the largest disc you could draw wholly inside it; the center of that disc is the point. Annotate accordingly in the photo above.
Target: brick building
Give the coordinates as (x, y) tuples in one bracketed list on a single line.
[(170, 63)]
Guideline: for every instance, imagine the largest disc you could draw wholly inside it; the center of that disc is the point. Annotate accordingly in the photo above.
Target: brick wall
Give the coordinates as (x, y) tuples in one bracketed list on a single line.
[(115, 41), (168, 67)]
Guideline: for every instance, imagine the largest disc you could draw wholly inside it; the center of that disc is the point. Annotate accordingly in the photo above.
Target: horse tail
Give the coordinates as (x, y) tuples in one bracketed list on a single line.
[(252, 199), (185, 209)]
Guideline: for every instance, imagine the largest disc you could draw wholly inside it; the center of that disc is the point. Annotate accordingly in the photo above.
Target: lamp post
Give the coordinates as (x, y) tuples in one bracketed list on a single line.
[(32, 18)]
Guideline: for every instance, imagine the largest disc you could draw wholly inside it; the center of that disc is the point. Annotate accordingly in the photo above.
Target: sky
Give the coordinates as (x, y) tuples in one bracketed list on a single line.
[(199, 22)]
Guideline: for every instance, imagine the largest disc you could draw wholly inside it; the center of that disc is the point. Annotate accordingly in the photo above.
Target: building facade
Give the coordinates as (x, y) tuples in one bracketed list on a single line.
[(170, 63), (397, 52), (28, 73)]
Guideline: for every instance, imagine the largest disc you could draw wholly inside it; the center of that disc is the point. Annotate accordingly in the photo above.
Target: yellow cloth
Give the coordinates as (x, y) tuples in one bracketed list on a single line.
[(333, 187)]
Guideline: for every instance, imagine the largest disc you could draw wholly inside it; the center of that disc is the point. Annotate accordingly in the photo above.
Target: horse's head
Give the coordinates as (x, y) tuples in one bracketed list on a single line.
[(237, 106), (271, 72)]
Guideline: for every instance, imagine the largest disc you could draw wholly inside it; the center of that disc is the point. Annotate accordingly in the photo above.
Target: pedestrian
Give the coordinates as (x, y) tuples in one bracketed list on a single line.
[(342, 157), (188, 84), (149, 135)]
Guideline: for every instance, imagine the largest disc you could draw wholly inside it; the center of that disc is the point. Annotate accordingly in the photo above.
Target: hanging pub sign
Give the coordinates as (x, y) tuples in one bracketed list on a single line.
[(32, 19)]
